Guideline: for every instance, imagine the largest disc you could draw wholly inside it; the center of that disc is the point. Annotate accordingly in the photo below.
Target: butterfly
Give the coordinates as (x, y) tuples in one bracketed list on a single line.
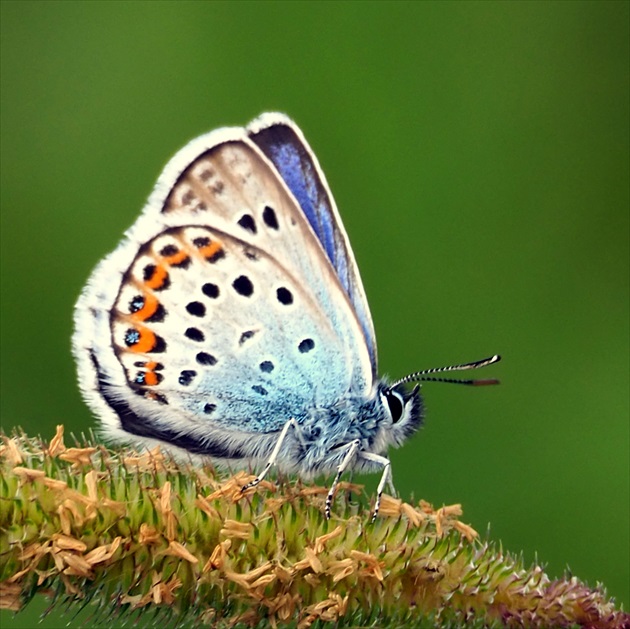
[(231, 323)]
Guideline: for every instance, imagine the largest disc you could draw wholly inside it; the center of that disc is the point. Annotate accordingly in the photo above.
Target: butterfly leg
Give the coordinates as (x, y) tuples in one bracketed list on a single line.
[(353, 448), (386, 478), (274, 453)]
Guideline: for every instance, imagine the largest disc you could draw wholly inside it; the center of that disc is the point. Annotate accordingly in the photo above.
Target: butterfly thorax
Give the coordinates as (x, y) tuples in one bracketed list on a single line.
[(326, 431)]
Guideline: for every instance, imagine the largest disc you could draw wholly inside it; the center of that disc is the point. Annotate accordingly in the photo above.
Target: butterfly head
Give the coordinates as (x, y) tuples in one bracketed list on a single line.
[(403, 410)]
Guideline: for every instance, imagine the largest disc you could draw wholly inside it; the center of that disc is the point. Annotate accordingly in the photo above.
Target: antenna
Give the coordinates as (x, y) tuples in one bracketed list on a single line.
[(423, 376)]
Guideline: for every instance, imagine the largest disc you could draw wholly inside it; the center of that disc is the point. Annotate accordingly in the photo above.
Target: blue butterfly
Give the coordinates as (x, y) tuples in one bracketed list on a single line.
[(231, 322)]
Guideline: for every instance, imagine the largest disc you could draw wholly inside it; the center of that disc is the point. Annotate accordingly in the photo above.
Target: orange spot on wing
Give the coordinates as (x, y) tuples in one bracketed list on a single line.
[(211, 249), (177, 258), (151, 378), (157, 279), (146, 341), (150, 307)]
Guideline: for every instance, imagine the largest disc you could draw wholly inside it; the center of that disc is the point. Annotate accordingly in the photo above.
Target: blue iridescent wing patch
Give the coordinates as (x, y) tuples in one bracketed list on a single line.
[(283, 143)]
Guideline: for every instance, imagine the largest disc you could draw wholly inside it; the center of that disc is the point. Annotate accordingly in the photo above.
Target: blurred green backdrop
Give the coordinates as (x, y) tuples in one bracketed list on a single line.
[(479, 156)]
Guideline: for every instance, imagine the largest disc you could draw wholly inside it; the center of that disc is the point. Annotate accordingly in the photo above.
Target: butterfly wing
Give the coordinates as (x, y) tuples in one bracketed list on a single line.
[(285, 145), (220, 314)]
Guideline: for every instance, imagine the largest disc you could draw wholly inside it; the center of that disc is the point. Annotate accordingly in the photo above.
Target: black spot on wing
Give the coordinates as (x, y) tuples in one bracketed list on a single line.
[(186, 377), (243, 286), (203, 358), (210, 290), (196, 308), (247, 223), (306, 345), (284, 295), (249, 334), (270, 218), (194, 334)]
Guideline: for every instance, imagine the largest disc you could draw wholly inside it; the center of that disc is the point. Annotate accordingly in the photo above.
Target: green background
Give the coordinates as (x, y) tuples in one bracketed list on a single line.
[(478, 153)]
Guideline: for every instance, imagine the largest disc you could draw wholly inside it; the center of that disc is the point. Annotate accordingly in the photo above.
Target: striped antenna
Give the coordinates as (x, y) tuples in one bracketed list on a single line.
[(423, 376)]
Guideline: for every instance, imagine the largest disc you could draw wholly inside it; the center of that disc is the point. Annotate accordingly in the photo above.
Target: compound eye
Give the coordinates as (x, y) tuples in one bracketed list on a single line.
[(396, 405)]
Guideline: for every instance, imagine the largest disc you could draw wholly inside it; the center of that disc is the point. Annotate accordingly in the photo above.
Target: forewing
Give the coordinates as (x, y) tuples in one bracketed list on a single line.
[(284, 144)]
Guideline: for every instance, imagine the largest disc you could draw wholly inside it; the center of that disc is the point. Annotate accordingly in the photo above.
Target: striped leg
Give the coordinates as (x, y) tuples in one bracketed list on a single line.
[(274, 454), (353, 448), (386, 478)]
